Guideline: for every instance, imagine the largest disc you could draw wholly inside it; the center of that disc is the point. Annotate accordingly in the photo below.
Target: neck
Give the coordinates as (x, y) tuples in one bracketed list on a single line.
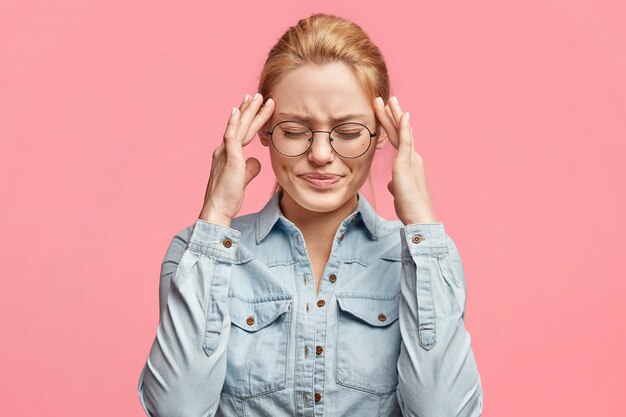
[(316, 227)]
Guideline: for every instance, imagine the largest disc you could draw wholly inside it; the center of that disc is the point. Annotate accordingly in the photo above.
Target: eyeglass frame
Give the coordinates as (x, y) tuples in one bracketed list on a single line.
[(330, 140)]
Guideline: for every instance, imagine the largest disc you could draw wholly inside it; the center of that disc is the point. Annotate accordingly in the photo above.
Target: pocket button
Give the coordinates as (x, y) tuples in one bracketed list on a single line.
[(250, 321), (321, 303), (382, 317)]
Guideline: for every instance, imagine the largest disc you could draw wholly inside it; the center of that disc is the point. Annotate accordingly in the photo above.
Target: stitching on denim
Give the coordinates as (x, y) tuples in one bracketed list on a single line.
[(356, 294), (428, 293), (262, 299), (283, 308), (212, 251), (369, 391), (287, 262), (283, 384), (208, 309), (432, 313), (355, 260), (395, 311)]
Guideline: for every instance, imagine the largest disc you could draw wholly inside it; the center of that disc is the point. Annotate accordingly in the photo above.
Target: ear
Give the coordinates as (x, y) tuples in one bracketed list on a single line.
[(381, 137), (263, 136)]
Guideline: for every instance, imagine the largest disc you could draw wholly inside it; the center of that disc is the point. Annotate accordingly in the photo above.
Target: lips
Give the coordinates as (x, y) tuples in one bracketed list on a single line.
[(320, 180)]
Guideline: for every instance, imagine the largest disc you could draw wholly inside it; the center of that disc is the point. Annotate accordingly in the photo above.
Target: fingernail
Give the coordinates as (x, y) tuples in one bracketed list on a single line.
[(257, 95), (232, 112), (407, 115), (246, 97), (380, 101), (268, 102), (394, 99)]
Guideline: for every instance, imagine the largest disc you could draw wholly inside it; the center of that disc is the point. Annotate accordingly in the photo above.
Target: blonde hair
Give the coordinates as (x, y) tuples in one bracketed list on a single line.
[(322, 39)]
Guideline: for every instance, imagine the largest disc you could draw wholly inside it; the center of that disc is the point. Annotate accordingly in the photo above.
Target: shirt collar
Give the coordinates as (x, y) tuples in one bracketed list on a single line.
[(270, 213)]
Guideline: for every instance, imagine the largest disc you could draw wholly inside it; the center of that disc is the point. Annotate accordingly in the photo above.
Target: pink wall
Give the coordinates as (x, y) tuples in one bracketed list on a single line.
[(109, 113)]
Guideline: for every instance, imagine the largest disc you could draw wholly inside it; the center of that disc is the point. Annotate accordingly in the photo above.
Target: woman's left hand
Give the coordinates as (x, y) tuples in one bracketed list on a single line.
[(408, 179)]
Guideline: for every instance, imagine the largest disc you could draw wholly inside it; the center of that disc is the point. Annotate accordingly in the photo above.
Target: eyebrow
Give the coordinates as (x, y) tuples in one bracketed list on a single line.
[(299, 117)]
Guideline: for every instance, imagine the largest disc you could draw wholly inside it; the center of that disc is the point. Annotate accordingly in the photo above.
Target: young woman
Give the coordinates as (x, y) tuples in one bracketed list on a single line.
[(315, 305)]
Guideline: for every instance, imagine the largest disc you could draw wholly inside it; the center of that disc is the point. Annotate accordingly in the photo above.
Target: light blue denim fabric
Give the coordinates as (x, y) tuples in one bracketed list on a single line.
[(242, 332)]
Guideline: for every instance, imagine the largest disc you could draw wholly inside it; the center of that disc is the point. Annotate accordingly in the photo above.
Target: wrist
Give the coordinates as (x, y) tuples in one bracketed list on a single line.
[(418, 220), (215, 218)]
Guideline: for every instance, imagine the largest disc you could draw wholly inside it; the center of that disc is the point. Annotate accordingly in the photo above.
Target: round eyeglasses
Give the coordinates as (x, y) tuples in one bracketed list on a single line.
[(349, 140)]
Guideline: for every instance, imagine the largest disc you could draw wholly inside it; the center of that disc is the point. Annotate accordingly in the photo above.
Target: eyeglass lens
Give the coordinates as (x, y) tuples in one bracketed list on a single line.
[(347, 139)]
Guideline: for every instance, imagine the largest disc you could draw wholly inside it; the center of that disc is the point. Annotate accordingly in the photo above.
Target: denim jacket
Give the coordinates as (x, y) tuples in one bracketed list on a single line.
[(243, 333)]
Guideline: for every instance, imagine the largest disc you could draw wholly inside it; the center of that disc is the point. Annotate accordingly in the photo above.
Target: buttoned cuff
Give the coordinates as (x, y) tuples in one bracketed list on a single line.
[(424, 239), (214, 240)]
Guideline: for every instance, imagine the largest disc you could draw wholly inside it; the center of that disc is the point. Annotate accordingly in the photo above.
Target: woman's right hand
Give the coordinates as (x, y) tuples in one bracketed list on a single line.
[(230, 174)]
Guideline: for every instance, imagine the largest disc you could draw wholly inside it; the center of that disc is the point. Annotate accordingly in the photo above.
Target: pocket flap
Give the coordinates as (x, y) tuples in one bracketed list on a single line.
[(376, 310), (255, 314)]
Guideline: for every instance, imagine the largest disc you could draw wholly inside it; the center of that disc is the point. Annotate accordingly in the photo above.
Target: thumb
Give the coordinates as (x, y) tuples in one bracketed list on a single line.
[(253, 167)]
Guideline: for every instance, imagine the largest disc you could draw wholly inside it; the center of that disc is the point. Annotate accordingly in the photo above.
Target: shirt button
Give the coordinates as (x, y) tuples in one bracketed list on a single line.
[(227, 243), (341, 237), (319, 349), (332, 277), (250, 320), (417, 238), (317, 396), (382, 317), (321, 303), (353, 219)]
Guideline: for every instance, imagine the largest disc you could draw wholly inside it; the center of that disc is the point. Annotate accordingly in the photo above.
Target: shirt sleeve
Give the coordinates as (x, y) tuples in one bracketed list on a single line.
[(186, 365), (437, 372)]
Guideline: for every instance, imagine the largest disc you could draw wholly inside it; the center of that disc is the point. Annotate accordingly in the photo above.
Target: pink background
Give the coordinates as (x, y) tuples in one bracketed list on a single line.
[(109, 112)]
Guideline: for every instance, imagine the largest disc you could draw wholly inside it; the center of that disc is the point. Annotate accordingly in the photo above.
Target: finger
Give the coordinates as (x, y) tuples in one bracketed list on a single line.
[(253, 167), (247, 99), (396, 110), (230, 135), (259, 120), (391, 115), (245, 102), (247, 115), (406, 137), (386, 120)]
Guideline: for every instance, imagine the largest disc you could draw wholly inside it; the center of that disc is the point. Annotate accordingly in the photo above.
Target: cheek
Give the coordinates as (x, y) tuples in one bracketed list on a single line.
[(362, 170), (280, 165)]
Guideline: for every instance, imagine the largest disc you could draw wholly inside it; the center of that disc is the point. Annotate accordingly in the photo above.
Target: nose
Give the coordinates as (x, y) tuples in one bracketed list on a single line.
[(320, 151)]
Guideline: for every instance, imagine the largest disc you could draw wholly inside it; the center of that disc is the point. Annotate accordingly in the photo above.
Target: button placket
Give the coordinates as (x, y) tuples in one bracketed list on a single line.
[(311, 326)]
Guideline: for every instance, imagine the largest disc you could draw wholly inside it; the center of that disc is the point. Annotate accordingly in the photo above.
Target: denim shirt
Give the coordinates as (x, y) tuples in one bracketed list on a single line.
[(243, 333)]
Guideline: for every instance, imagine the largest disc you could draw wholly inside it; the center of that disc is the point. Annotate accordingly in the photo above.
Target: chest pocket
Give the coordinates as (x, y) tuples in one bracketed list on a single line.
[(368, 342), (257, 345)]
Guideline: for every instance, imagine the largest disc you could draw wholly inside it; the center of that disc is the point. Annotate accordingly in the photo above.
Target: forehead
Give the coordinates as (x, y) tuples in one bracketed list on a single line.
[(348, 117), (326, 93)]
